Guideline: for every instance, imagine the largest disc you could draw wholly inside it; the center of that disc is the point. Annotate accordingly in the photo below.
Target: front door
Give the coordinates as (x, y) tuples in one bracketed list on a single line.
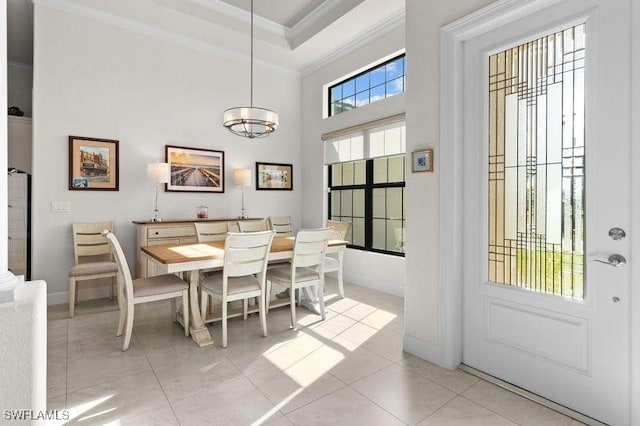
[(546, 205)]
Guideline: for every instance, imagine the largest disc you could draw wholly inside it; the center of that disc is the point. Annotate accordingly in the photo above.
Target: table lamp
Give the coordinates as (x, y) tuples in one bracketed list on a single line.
[(242, 177), (158, 173)]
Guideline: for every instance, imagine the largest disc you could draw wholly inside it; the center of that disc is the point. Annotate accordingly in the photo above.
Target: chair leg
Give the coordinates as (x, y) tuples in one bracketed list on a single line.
[(267, 297), (122, 304), (72, 296), (185, 311), (245, 308), (340, 283), (129, 328), (224, 322), (263, 315), (320, 291), (174, 311), (203, 305), (292, 298)]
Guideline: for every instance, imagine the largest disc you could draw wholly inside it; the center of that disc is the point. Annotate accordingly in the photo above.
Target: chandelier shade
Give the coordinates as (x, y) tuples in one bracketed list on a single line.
[(251, 122)]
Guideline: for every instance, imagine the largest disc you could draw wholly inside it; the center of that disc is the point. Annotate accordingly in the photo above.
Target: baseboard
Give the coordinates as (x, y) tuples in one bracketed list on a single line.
[(422, 349), (389, 289)]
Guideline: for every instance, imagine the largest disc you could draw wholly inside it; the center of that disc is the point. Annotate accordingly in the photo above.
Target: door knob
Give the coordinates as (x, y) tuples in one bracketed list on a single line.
[(615, 260)]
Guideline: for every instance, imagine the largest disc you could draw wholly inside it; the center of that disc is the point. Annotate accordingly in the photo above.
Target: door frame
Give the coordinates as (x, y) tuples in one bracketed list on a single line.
[(452, 39)]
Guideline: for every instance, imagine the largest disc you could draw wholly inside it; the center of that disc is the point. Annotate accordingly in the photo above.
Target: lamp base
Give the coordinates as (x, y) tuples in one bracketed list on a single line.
[(156, 216)]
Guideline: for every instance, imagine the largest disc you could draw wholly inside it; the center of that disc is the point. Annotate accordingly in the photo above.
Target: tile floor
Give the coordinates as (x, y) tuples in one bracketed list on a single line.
[(349, 369)]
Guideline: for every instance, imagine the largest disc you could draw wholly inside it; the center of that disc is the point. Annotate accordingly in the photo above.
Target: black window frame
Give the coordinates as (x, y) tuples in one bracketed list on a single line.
[(368, 70), (368, 187)]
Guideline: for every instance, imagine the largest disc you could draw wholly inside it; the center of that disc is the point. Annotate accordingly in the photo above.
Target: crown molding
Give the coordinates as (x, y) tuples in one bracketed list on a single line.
[(316, 15), (161, 34), (394, 22), (19, 66), (242, 15)]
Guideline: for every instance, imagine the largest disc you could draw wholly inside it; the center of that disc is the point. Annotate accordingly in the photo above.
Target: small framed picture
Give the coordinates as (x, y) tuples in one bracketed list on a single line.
[(93, 164), (195, 169), (422, 161), (274, 176)]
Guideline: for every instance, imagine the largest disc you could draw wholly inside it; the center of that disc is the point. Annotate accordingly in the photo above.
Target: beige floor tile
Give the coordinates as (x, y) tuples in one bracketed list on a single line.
[(340, 305), (58, 402), (456, 380), (237, 402), (343, 407), (162, 416), (196, 374), (462, 412), (292, 388), (387, 344), (514, 407), (349, 366), (119, 399), (406, 395), (105, 368), (359, 311)]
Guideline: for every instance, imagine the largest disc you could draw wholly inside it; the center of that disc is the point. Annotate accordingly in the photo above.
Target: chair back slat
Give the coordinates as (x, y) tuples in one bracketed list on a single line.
[(211, 231), (310, 248), (281, 226), (246, 254), (87, 239), (339, 230), (253, 225), (233, 227), (121, 260)]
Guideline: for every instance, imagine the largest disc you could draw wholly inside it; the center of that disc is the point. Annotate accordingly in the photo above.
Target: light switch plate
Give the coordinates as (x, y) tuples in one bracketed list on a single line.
[(60, 207)]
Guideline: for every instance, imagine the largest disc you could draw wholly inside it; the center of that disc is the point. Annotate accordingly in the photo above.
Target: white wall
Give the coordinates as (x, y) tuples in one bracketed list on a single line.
[(385, 273), (423, 323), (93, 79), (19, 84)]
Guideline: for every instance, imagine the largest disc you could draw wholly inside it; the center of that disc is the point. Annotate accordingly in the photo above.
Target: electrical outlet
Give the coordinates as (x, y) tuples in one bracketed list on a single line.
[(60, 207)]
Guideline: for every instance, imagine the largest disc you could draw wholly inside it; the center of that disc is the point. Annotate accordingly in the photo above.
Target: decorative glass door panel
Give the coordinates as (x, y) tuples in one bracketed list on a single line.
[(536, 164)]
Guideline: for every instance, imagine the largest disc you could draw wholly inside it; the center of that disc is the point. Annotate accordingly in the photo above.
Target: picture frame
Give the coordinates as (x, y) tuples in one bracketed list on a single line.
[(422, 161), (93, 164), (274, 177), (195, 169)]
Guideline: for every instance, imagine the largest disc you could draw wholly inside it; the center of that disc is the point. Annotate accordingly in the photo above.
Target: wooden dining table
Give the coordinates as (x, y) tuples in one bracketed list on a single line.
[(193, 257)]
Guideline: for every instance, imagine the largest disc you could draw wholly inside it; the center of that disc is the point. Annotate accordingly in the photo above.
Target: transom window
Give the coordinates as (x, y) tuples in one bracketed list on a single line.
[(378, 82)]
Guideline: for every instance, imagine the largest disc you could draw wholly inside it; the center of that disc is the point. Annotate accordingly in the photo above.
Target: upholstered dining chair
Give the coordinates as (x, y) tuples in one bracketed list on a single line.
[(92, 258), (143, 290), (281, 226), (306, 268), (253, 225), (242, 277)]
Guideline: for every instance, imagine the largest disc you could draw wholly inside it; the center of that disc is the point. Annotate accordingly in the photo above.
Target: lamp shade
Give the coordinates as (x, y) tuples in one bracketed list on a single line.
[(251, 122), (159, 172), (242, 177)]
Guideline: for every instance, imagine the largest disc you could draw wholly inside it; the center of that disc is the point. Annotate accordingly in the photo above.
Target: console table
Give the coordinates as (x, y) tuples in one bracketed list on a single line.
[(150, 233)]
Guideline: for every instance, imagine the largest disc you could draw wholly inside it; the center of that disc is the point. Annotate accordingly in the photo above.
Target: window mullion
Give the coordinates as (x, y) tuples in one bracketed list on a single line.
[(368, 207)]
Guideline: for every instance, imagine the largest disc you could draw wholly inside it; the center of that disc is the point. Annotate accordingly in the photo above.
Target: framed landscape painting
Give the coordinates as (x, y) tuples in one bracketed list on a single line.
[(93, 164), (274, 176), (195, 169)]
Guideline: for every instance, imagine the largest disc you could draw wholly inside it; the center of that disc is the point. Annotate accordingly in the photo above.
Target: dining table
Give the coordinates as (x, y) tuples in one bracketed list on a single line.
[(191, 258)]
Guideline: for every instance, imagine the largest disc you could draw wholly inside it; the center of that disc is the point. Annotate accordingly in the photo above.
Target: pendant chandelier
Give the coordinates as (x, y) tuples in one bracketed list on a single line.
[(251, 122)]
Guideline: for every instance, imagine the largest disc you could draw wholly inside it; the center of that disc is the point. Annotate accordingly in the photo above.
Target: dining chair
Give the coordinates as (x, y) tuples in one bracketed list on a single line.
[(281, 226), (143, 290), (92, 258), (211, 231), (306, 268), (338, 231), (242, 277), (253, 225)]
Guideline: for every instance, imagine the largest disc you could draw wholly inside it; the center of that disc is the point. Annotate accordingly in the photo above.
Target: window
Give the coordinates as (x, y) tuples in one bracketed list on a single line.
[(366, 180), (378, 82)]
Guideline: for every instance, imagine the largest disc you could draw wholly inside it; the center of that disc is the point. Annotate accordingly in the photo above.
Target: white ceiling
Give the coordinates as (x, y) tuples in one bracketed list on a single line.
[(284, 12), (291, 35)]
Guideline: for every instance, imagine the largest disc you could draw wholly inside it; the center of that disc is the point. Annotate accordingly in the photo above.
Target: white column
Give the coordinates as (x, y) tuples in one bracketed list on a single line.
[(8, 281)]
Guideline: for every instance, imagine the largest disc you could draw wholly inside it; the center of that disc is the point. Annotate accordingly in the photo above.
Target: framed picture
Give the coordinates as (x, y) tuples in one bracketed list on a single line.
[(195, 169), (422, 161), (93, 164), (274, 176)]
